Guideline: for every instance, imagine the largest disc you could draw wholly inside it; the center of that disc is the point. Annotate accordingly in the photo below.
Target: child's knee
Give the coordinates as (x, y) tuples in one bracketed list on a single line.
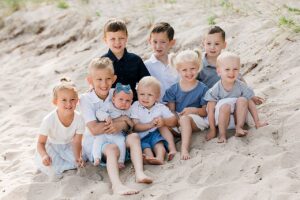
[(184, 119), (242, 100), (226, 108)]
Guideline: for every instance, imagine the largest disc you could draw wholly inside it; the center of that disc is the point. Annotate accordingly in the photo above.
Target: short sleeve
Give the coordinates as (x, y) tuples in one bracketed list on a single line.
[(45, 127), (170, 95), (86, 109), (80, 125), (204, 91), (247, 92), (211, 94), (166, 113), (134, 110)]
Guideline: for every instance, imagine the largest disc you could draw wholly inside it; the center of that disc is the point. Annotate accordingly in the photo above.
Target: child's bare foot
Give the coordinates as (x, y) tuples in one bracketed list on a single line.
[(124, 190), (260, 124), (240, 132), (171, 155), (222, 139), (154, 161), (185, 155), (121, 165), (143, 178), (96, 162), (210, 135)]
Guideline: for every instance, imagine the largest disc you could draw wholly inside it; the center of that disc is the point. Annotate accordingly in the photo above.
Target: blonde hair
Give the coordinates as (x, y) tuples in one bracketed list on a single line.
[(101, 63), (185, 56), (227, 55), (64, 84), (150, 81)]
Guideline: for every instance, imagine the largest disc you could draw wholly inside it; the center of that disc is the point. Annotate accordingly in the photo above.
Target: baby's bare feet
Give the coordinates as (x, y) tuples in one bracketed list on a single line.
[(210, 136), (143, 178), (96, 162), (171, 155), (222, 139), (121, 165)]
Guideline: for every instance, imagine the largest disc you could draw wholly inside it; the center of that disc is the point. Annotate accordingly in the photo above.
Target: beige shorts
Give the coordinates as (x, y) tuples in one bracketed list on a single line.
[(201, 123)]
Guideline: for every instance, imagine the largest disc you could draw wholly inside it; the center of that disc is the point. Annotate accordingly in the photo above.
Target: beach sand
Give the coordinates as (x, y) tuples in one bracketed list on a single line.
[(40, 44)]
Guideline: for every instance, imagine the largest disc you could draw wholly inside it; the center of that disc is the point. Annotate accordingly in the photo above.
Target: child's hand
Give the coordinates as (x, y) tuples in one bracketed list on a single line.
[(80, 162), (257, 100), (110, 128), (158, 122), (108, 120), (189, 110), (46, 160)]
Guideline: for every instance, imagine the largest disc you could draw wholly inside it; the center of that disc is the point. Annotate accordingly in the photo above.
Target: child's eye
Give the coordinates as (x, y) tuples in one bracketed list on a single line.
[(208, 43), (217, 44)]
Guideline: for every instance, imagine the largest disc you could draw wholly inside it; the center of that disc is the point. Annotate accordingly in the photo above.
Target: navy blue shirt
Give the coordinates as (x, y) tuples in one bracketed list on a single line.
[(130, 69)]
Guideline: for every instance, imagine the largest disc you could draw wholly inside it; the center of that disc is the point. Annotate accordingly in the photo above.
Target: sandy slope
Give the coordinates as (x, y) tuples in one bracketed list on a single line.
[(39, 45)]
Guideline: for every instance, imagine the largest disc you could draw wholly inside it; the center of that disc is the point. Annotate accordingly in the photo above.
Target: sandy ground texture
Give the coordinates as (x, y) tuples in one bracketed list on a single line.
[(40, 44)]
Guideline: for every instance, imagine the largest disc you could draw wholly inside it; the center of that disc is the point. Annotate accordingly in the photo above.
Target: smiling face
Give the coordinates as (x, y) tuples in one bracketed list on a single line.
[(66, 101), (213, 44), (188, 71), (122, 100), (116, 42), (101, 80), (147, 95), (228, 68), (160, 44)]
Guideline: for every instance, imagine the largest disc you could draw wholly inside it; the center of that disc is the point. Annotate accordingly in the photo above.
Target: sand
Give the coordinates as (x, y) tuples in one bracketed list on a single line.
[(39, 44)]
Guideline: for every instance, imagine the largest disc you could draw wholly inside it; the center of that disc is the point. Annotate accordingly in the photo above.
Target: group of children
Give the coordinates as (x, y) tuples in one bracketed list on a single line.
[(135, 109)]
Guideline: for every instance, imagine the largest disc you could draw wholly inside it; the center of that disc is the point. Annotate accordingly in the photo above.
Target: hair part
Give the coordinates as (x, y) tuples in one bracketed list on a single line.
[(101, 63), (192, 56), (150, 81), (115, 25), (162, 27), (64, 84), (217, 29)]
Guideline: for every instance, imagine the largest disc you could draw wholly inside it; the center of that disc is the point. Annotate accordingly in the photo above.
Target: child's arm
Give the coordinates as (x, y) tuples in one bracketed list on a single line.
[(140, 127), (97, 128), (46, 160), (193, 110), (169, 122), (77, 149)]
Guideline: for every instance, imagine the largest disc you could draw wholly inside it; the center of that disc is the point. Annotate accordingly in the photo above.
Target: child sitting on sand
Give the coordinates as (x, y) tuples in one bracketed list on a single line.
[(229, 99), (117, 107), (150, 117), (59, 141), (186, 98)]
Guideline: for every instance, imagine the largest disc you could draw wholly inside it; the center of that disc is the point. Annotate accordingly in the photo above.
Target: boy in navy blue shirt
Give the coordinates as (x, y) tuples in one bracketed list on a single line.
[(129, 67)]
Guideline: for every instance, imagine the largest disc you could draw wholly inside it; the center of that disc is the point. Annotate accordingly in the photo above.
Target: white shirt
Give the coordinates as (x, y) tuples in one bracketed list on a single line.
[(109, 110), (145, 115), (167, 75), (56, 132)]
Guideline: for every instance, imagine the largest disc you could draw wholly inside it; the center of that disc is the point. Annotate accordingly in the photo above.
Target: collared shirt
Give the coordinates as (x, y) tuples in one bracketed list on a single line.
[(130, 69), (109, 110), (145, 115), (218, 92), (166, 74), (208, 74), (89, 103)]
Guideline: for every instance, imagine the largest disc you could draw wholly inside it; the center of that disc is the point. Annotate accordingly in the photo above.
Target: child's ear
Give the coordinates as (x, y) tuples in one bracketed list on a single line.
[(89, 79), (225, 45), (54, 101), (114, 78), (172, 42)]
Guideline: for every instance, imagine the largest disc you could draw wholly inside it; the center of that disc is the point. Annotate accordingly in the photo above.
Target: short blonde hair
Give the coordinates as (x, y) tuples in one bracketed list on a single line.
[(101, 63), (193, 56), (150, 81), (225, 55), (64, 84)]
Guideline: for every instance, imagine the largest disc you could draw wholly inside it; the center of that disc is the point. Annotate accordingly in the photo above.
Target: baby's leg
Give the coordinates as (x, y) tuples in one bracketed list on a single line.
[(186, 135), (241, 113), (160, 152), (254, 114), (147, 155), (119, 140), (224, 117), (97, 148), (166, 133)]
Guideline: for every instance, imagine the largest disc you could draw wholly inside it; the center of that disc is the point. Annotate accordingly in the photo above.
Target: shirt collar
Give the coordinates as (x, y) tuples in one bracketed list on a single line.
[(143, 107), (205, 62), (112, 56), (153, 60), (96, 99)]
